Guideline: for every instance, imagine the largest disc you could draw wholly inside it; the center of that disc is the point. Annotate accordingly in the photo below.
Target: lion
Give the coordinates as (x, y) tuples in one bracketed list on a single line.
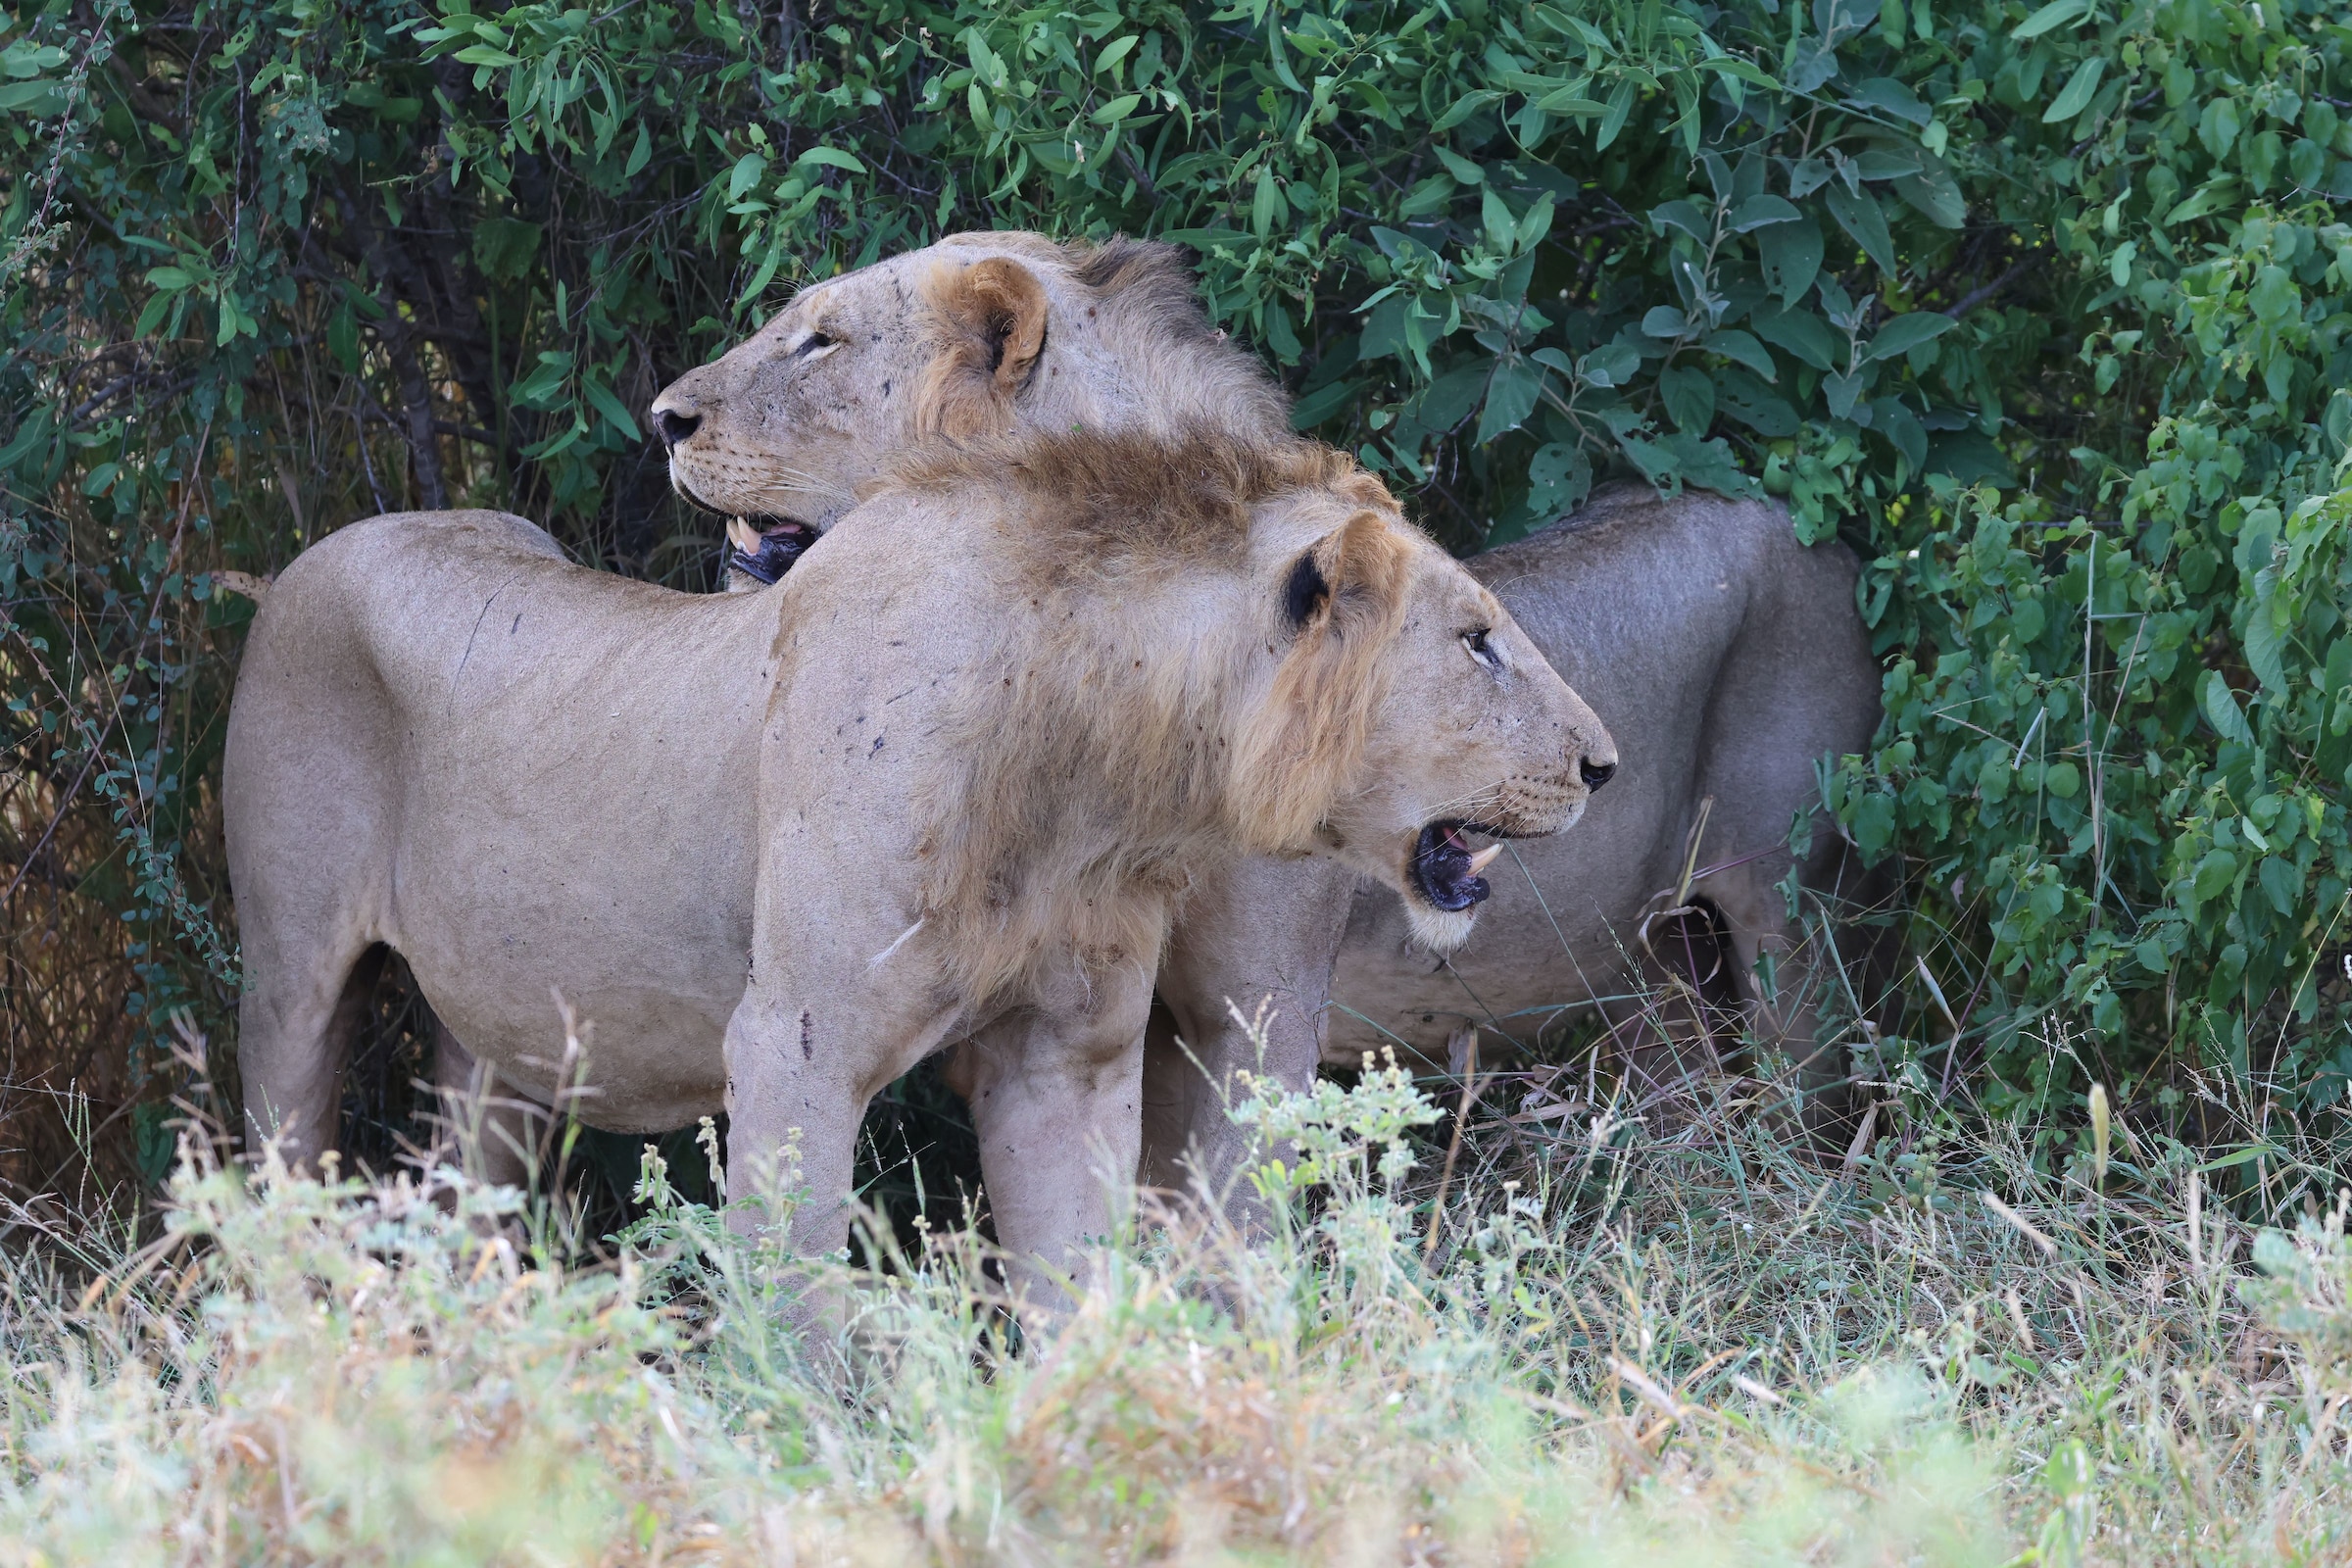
[(1740, 651), (949, 779)]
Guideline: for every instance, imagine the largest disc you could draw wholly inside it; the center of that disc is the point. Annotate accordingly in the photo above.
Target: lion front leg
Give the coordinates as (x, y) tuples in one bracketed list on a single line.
[(805, 1054)]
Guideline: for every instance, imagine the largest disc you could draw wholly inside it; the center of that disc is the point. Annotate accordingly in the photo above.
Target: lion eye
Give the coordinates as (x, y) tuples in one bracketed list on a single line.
[(813, 344), (1482, 650)]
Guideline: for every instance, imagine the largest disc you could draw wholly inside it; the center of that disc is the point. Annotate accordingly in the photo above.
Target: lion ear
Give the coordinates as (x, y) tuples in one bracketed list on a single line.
[(1344, 598), (991, 321)]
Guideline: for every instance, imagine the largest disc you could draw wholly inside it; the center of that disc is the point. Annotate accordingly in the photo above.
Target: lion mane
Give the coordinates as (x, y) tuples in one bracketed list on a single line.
[(1119, 761)]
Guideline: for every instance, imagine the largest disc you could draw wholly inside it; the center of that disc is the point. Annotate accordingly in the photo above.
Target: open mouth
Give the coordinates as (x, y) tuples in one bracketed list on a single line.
[(765, 547), (1444, 869)]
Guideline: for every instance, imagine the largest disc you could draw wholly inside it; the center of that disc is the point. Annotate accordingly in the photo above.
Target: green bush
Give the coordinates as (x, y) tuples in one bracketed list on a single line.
[(2038, 310)]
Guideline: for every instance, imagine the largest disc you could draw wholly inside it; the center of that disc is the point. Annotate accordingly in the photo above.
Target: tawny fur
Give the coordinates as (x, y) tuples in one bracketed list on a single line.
[(1099, 751), (989, 320), (951, 778), (1732, 656), (966, 338)]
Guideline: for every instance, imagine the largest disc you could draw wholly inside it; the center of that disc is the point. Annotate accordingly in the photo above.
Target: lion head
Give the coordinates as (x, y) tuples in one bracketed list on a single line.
[(978, 335), (1224, 641)]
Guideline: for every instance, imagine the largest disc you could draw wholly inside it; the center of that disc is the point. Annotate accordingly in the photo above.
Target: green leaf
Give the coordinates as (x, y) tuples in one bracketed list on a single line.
[(1801, 333), (542, 388), (1463, 170), (1448, 399), (1907, 332), (1891, 97), (1689, 396), (1534, 223), (1502, 229), (2077, 94), (2057, 14), (1759, 212), (1841, 391), (1570, 102), (1510, 398), (1972, 457), (1934, 192), (1313, 408), (1744, 70), (170, 279), (1561, 473), (2216, 127), (1665, 321), (1119, 108), (1112, 53), (35, 100), (1683, 216), (505, 248), (2266, 643), (1901, 427), (609, 404), (1741, 349), (831, 158), (2213, 874), (1858, 214), (1621, 103), (2222, 712), (1791, 257), (151, 315), (2274, 296), (1612, 365), (1745, 399), (343, 339), (1468, 104), (640, 153), (1267, 209), (2209, 197)]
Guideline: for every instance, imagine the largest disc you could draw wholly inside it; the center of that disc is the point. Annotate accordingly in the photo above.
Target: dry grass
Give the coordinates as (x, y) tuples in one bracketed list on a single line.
[(1698, 1351)]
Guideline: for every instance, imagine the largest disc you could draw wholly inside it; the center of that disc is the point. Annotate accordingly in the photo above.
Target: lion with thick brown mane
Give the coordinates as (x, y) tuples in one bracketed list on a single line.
[(951, 779), (1739, 651)]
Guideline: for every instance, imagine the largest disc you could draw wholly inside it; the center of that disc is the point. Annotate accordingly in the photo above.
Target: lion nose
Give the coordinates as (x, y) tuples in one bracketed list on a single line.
[(1596, 774), (674, 426)]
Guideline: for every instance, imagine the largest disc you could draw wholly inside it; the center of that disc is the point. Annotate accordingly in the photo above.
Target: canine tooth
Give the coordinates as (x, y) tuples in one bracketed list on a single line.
[(1484, 858), (743, 535)]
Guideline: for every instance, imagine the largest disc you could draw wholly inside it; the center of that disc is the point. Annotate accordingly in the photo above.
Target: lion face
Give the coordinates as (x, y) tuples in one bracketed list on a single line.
[(1477, 738), (980, 334), (778, 433), (1453, 727)]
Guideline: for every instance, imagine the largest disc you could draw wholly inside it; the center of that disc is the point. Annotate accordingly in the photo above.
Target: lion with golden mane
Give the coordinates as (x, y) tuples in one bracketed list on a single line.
[(951, 779), (1739, 650)]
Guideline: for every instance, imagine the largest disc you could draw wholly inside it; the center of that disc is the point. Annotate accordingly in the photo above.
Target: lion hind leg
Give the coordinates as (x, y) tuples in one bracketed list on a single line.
[(1792, 981), (1056, 1098), (294, 1042)]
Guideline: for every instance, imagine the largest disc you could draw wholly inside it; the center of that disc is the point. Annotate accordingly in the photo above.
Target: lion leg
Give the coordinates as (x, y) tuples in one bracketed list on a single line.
[(805, 1054), (485, 1129), (1258, 937), (295, 1038), (1055, 1093), (1786, 979)]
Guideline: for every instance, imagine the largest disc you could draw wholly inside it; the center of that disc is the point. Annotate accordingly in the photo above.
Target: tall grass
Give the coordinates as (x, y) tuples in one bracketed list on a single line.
[(1613, 1348)]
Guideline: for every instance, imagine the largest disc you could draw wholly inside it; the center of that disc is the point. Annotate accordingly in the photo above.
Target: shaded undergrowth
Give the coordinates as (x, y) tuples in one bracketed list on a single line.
[(1701, 1343)]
